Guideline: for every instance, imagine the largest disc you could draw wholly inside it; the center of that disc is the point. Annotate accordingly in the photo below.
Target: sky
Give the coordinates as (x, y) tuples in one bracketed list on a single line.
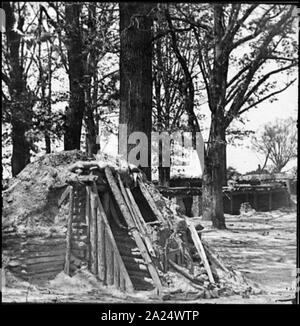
[(243, 158)]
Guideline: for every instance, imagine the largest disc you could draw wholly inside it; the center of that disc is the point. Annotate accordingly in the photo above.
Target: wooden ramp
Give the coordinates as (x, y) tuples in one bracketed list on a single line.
[(119, 250)]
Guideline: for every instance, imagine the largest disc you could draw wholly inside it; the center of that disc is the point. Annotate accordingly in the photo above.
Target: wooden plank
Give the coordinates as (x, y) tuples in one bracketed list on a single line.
[(93, 233), (133, 230), (108, 234), (116, 272), (47, 243), (182, 271), (127, 201), (42, 273), (101, 248), (115, 216), (106, 202), (83, 179), (87, 221), (45, 259), (214, 259), (42, 254), (151, 201), (109, 261), (137, 210), (122, 283), (200, 249), (69, 233), (140, 218), (46, 266), (64, 195)]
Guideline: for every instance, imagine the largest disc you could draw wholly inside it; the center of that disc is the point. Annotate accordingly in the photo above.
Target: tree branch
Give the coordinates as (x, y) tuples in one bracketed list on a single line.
[(230, 33), (261, 81), (267, 97)]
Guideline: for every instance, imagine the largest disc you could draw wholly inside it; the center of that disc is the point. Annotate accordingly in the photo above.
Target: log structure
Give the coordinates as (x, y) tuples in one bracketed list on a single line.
[(108, 228), (265, 197)]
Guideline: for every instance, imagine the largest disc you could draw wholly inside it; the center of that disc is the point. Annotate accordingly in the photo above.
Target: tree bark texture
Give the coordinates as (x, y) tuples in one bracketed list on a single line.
[(136, 71), (75, 111), (20, 104)]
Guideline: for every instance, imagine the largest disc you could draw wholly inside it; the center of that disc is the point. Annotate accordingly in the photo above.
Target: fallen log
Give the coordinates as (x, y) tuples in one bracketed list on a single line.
[(214, 259), (200, 249), (182, 271), (87, 165)]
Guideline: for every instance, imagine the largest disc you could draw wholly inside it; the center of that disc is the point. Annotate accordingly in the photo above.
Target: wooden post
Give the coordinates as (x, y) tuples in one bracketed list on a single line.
[(270, 201), (116, 272), (69, 232), (200, 249), (93, 233), (87, 220), (109, 261), (231, 203), (126, 283), (101, 248)]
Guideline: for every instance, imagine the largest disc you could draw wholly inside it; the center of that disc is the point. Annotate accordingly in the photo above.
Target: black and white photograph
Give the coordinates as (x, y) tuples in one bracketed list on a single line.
[(149, 155)]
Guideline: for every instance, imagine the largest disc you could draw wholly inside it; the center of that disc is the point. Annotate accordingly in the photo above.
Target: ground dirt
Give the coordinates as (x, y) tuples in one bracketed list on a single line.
[(261, 245)]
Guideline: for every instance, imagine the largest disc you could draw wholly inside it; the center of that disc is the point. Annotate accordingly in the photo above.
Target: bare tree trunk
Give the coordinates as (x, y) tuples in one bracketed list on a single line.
[(224, 158), (136, 71), (21, 107), (74, 114), (91, 99), (163, 171), (212, 196), (215, 157), (47, 135)]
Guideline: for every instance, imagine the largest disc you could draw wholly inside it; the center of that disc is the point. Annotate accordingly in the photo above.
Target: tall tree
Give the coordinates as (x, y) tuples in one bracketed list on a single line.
[(241, 49), (136, 71), (75, 110), (21, 99), (278, 143)]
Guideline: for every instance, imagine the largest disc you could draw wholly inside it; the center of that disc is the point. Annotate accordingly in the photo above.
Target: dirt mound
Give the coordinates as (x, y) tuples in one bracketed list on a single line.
[(31, 198)]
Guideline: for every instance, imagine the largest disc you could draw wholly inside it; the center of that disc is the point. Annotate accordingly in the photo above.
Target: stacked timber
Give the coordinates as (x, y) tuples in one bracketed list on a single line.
[(133, 260), (35, 258)]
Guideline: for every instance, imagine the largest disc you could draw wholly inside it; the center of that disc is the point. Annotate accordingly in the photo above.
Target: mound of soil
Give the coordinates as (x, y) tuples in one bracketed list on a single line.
[(31, 198)]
